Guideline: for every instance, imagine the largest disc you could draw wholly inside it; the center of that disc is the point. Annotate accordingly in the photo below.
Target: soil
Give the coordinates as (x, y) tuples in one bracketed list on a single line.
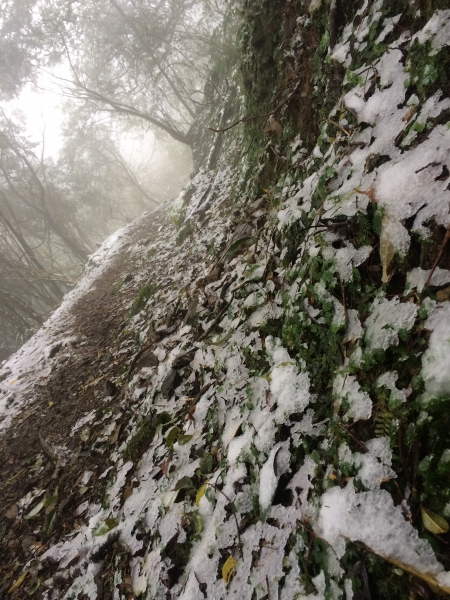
[(78, 385)]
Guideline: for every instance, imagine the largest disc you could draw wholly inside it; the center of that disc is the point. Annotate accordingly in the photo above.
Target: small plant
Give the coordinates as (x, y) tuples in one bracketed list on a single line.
[(141, 299)]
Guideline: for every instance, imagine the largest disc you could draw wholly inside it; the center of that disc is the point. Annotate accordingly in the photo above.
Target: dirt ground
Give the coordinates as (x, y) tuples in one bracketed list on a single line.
[(75, 387)]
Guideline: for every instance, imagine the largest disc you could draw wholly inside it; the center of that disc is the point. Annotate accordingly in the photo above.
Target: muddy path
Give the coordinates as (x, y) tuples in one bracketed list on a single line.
[(80, 381)]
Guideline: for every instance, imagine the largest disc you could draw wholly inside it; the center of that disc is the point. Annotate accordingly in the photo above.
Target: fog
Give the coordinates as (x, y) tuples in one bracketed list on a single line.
[(97, 99)]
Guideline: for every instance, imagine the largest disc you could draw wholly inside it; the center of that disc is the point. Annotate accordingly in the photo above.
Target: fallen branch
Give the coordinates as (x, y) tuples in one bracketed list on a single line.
[(214, 486), (254, 118), (436, 262), (339, 127)]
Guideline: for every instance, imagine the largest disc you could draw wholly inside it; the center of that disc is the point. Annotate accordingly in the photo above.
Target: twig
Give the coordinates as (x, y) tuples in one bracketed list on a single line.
[(363, 446), (345, 306), (16, 476), (276, 153), (47, 449), (268, 588), (247, 119), (154, 338), (370, 193), (333, 24), (436, 262), (213, 485), (401, 454), (339, 127)]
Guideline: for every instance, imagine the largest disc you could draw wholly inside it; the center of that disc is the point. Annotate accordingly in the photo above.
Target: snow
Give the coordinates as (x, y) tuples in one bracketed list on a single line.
[(436, 358), (387, 319), (388, 381), (417, 278), (371, 518), (277, 463), (346, 387), (239, 419), (437, 29), (31, 365)]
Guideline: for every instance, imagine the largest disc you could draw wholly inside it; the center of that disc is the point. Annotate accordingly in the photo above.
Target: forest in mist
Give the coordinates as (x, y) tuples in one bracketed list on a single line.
[(122, 70)]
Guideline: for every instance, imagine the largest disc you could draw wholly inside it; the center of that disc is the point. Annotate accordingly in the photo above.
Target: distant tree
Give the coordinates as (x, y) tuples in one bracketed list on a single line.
[(146, 59), (106, 190), (41, 246)]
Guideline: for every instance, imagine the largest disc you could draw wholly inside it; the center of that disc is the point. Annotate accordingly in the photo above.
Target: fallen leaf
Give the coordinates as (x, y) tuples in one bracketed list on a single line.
[(236, 245), (115, 435), (17, 583), (185, 483), (184, 439), (128, 492), (433, 522), (387, 250), (443, 295), (228, 569), (12, 512), (35, 511), (275, 126), (165, 466), (81, 508), (172, 436), (200, 493), (108, 525)]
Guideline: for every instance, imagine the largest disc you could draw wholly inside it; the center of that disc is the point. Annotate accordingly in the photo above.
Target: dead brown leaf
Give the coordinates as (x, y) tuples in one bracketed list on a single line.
[(115, 436), (12, 512)]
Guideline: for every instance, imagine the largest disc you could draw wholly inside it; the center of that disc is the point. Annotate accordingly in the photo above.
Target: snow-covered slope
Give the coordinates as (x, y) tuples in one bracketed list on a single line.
[(278, 380)]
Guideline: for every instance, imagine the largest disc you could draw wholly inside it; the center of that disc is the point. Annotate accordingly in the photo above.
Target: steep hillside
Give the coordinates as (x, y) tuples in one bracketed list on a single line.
[(246, 396)]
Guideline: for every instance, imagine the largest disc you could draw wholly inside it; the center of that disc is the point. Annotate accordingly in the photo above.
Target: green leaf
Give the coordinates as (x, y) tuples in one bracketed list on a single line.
[(433, 522), (163, 418), (109, 524), (185, 483), (198, 523), (236, 245), (172, 436), (184, 439), (112, 522), (51, 500), (36, 510), (35, 588), (50, 521)]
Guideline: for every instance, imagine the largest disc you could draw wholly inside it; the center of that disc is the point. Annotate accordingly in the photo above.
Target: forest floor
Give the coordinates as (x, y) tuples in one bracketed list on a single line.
[(79, 382)]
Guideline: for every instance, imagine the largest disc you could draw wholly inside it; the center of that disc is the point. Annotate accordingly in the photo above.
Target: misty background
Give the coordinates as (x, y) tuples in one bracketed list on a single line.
[(98, 99)]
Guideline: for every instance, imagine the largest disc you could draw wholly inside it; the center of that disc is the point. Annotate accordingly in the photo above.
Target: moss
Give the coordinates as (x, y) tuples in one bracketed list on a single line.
[(186, 231), (116, 287), (428, 74), (256, 362), (141, 299), (140, 441)]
